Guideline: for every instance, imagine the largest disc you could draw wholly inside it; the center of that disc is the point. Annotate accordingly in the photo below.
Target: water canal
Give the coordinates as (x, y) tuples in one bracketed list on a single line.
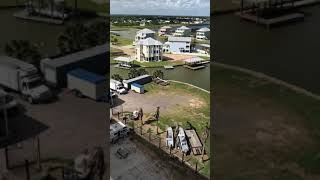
[(289, 52)]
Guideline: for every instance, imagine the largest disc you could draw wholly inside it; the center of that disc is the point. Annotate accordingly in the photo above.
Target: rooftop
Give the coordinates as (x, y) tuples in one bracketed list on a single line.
[(149, 41), (124, 59), (77, 56), (184, 28), (88, 76), (179, 39), (205, 29), (145, 31)]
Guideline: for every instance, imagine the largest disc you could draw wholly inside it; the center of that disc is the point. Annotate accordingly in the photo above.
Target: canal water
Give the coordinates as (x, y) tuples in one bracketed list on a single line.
[(289, 52), (200, 78), (43, 34)]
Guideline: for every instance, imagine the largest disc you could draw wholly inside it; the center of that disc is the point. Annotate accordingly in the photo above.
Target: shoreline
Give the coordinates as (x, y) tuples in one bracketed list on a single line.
[(271, 79)]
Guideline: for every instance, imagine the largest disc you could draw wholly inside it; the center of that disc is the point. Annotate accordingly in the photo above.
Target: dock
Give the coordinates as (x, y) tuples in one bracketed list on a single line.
[(168, 67), (24, 15), (272, 21), (194, 67)]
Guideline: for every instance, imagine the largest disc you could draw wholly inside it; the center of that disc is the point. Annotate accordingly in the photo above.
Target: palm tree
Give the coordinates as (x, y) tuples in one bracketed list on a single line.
[(158, 74), (73, 39), (23, 50), (117, 77)]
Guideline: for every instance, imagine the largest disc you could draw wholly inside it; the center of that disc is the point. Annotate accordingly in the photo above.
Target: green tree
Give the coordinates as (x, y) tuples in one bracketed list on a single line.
[(133, 73), (23, 50), (117, 77), (158, 73), (142, 72)]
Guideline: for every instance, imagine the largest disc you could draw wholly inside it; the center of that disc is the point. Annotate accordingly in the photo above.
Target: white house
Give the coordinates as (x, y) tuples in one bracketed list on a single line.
[(178, 45), (164, 30), (144, 34), (203, 33), (182, 31), (149, 50)]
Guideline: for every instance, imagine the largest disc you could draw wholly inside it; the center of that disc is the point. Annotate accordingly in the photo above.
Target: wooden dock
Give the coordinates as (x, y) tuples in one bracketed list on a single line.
[(24, 15), (168, 67), (272, 21), (194, 67)]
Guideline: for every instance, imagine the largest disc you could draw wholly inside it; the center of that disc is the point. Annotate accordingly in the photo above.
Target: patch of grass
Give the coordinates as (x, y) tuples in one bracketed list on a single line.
[(122, 41), (198, 117), (159, 63), (307, 107)]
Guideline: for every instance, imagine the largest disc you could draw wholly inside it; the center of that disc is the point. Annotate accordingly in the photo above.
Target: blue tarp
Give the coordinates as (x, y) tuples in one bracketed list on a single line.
[(88, 76), (137, 85)]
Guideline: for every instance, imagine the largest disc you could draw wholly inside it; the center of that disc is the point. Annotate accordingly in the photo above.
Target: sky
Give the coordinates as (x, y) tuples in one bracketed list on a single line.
[(161, 7)]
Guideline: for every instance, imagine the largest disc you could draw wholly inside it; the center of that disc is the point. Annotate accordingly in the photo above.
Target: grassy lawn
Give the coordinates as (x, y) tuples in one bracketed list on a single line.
[(261, 101), (122, 41), (159, 63), (198, 115)]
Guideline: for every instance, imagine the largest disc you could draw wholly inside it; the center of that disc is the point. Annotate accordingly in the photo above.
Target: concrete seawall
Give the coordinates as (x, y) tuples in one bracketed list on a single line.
[(189, 85), (271, 79)]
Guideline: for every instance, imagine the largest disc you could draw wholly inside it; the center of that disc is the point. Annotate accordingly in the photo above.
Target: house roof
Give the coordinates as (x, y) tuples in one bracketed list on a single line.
[(165, 27), (205, 29), (123, 59), (149, 42), (184, 28), (145, 31), (88, 76), (179, 39)]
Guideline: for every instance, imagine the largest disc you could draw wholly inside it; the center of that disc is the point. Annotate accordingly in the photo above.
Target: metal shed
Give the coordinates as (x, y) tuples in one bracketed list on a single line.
[(137, 88), (93, 59)]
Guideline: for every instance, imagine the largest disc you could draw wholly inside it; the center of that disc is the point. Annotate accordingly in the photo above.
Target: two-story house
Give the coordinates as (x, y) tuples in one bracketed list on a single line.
[(182, 31), (178, 45), (203, 33), (149, 50)]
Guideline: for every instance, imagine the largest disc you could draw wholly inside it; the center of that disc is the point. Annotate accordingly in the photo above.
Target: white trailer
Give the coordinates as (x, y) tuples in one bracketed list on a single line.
[(87, 84), (137, 88), (23, 78), (118, 130)]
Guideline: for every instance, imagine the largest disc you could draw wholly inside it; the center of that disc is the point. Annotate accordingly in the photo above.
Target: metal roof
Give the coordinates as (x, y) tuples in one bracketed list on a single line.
[(10, 61), (205, 29), (137, 85), (193, 60), (149, 41), (179, 39), (136, 78), (184, 28), (71, 58), (88, 76), (146, 31), (124, 59)]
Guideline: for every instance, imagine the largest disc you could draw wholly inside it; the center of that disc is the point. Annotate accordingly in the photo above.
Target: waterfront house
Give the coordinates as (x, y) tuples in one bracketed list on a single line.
[(149, 50), (178, 45), (203, 34), (144, 34), (164, 30), (182, 31)]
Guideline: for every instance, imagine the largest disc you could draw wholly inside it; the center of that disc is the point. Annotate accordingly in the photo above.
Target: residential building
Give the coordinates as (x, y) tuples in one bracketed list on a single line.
[(178, 45), (149, 50), (203, 33), (164, 30), (144, 34), (182, 31)]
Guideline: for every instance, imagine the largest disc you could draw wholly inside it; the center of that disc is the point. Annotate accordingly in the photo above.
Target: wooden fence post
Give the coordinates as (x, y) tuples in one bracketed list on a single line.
[(27, 170)]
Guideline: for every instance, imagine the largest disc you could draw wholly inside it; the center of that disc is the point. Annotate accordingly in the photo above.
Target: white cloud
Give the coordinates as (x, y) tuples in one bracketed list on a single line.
[(163, 7)]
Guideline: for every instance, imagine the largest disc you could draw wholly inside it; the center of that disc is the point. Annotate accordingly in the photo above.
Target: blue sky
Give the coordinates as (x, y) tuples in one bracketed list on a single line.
[(161, 7)]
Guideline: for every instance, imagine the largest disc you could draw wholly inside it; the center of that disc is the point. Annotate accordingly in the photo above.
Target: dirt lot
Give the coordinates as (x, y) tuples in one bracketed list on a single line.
[(74, 124)]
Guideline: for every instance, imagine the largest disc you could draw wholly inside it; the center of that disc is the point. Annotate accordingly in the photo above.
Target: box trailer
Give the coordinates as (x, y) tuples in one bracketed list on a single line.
[(137, 88), (87, 84), (55, 70), (143, 79), (23, 78)]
